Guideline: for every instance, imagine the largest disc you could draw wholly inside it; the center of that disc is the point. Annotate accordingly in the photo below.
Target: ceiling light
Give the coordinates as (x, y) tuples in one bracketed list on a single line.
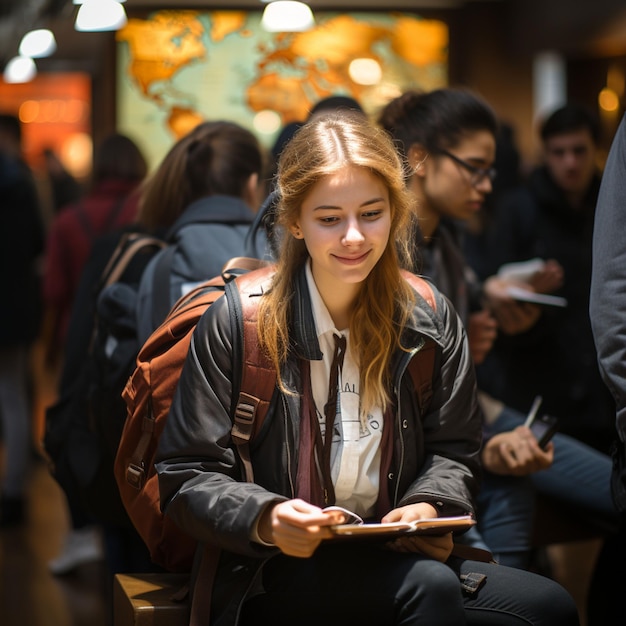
[(83, 1), (100, 15), (287, 16), (38, 43), (20, 70)]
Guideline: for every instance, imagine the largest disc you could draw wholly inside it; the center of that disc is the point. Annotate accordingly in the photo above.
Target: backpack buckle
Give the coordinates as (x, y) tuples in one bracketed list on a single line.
[(135, 476), (245, 413)]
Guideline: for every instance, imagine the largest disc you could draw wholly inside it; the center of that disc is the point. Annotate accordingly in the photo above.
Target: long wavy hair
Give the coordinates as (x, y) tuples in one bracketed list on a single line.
[(323, 147)]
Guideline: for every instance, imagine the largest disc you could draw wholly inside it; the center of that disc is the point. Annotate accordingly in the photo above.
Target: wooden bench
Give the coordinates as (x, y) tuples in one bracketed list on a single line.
[(147, 600)]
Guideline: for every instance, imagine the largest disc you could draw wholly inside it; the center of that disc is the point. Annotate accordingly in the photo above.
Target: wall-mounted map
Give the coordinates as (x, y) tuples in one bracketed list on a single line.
[(178, 68)]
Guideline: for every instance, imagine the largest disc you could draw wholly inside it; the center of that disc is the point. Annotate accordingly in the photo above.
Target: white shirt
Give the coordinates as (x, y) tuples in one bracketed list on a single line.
[(355, 450)]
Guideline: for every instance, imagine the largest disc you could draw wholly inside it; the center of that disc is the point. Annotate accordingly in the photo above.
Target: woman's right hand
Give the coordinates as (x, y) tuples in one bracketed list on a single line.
[(297, 527)]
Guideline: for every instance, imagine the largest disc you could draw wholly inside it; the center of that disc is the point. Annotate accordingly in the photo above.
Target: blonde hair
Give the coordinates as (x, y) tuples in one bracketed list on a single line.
[(321, 148)]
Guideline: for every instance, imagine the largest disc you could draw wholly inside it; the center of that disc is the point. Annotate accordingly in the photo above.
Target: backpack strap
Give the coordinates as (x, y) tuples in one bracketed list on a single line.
[(422, 286), (130, 244), (161, 285), (258, 376), (422, 366), (256, 388)]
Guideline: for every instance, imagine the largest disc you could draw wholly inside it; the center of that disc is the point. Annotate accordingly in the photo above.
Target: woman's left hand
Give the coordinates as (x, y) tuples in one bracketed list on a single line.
[(437, 547)]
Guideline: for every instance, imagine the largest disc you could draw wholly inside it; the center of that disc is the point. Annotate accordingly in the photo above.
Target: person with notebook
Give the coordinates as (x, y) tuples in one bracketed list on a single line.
[(340, 323)]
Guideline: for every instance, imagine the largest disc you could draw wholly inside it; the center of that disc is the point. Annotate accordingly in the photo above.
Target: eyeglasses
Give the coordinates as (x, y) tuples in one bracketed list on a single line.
[(477, 174)]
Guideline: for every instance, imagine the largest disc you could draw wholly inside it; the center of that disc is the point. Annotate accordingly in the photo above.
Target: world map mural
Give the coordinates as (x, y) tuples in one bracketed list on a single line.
[(178, 68)]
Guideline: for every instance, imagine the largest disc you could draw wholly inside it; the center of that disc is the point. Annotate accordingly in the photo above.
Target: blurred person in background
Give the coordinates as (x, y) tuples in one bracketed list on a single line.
[(448, 137), (64, 189), (110, 203), (549, 219), (201, 200), (20, 253)]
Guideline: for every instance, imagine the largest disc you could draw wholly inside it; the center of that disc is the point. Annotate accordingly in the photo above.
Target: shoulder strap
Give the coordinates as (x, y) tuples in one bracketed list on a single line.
[(423, 287), (422, 365), (258, 376), (161, 286), (130, 244)]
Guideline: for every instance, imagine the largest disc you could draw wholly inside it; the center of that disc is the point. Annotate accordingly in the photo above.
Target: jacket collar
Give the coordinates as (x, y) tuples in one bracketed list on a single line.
[(303, 331), (213, 209), (424, 322)]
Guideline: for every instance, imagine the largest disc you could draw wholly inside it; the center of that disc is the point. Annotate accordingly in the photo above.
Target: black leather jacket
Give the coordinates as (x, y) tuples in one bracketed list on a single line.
[(436, 455)]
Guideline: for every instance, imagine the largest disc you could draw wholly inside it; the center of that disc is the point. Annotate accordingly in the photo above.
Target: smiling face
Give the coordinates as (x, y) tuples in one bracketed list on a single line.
[(345, 222), (445, 187)]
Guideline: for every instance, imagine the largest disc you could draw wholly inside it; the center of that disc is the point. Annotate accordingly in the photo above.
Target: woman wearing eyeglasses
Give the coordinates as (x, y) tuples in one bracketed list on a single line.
[(448, 138)]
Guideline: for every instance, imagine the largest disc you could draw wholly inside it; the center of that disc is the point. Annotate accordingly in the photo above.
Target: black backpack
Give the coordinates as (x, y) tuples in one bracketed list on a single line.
[(83, 426)]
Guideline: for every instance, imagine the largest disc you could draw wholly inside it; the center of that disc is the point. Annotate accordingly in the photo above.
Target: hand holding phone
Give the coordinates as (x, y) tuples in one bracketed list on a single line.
[(544, 427)]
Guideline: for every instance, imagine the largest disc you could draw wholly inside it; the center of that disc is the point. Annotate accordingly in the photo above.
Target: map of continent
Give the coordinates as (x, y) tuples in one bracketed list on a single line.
[(179, 68)]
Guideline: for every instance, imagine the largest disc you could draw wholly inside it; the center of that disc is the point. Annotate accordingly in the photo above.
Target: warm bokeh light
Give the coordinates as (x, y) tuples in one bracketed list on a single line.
[(608, 100), (52, 107), (29, 111), (365, 71), (75, 111), (266, 122), (76, 154)]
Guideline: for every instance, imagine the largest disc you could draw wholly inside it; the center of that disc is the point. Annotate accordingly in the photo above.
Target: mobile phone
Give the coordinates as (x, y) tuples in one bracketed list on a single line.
[(544, 427)]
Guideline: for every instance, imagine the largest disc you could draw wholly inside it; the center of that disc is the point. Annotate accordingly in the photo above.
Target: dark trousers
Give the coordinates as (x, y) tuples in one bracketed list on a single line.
[(368, 585)]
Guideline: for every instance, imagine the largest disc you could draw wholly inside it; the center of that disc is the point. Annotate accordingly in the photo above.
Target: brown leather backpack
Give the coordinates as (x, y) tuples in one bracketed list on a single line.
[(148, 395)]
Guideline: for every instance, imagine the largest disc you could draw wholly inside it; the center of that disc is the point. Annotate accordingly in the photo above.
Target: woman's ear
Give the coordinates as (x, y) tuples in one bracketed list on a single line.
[(296, 231), (417, 156)]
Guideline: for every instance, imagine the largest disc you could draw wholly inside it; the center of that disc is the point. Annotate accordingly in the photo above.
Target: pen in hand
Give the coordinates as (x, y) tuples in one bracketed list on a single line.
[(533, 411)]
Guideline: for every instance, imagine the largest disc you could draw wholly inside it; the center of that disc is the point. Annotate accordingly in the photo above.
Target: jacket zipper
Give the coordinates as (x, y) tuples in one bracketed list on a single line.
[(286, 424)]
